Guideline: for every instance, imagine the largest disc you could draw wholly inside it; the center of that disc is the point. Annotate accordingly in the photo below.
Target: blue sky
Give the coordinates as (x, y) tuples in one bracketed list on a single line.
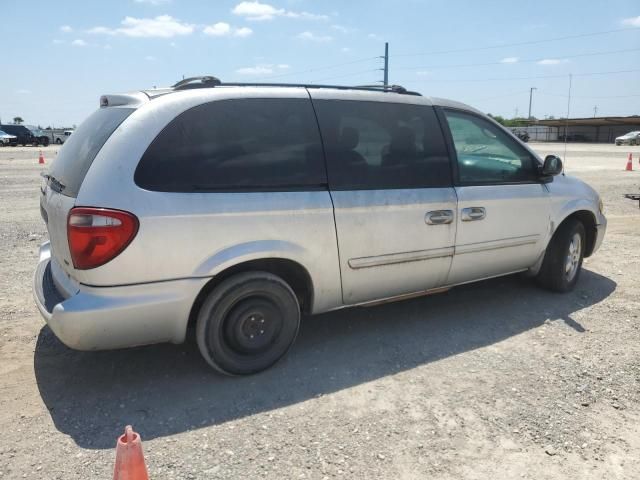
[(63, 55)]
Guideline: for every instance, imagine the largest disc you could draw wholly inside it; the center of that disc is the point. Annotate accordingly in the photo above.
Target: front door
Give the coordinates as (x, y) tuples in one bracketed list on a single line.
[(394, 204), (503, 208)]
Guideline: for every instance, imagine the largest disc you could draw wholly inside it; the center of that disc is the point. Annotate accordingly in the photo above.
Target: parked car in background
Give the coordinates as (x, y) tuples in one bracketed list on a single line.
[(236, 209), (7, 139), (631, 138), (25, 136), (42, 136), (521, 134), (60, 138)]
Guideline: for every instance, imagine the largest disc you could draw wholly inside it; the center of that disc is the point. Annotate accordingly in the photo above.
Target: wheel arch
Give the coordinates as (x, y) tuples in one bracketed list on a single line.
[(291, 271), (588, 219)]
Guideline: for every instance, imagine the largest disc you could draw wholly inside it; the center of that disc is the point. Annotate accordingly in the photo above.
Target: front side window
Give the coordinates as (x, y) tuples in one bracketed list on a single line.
[(486, 154), (236, 145), (380, 145)]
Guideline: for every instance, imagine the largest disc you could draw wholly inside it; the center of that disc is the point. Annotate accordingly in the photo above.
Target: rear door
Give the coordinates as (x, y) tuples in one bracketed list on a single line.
[(503, 208), (394, 204)]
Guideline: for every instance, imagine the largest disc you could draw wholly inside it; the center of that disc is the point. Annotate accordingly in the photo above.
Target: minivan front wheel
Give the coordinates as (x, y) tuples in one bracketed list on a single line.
[(247, 323), (562, 263)]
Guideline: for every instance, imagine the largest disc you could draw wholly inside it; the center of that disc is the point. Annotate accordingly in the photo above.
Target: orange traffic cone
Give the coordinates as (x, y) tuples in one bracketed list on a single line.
[(629, 164), (41, 158), (129, 459)]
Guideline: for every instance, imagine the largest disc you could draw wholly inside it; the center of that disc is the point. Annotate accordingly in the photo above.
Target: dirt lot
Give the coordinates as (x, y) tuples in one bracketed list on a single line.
[(495, 380)]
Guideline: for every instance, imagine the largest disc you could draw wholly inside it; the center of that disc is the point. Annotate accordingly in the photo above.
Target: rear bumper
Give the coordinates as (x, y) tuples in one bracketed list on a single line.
[(102, 318)]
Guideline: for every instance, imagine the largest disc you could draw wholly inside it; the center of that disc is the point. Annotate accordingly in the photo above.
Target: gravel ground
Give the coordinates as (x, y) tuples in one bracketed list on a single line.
[(494, 380)]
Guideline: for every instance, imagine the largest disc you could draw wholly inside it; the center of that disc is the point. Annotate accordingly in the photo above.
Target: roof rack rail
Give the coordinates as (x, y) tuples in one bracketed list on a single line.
[(210, 82), (391, 88), (203, 81)]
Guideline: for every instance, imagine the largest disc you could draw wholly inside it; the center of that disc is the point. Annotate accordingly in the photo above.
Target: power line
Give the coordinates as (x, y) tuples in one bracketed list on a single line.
[(498, 79), (360, 72), (317, 69), (515, 44), (588, 96), (588, 54)]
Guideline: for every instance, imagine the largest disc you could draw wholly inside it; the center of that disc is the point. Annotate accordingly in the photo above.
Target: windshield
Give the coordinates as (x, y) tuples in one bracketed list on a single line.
[(76, 156), (632, 134)]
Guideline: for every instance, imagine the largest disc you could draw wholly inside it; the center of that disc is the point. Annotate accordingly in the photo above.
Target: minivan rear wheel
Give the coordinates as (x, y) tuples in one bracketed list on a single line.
[(247, 323), (563, 259)]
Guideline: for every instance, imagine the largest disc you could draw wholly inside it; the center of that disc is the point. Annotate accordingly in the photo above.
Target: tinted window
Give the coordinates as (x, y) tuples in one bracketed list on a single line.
[(244, 144), (487, 154), (378, 145), (77, 154)]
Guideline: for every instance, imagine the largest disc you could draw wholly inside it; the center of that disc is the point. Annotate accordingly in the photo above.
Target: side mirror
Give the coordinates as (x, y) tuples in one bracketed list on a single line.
[(552, 166)]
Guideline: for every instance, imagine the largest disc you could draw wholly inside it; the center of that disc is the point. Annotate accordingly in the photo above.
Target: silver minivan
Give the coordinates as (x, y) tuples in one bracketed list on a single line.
[(237, 208)]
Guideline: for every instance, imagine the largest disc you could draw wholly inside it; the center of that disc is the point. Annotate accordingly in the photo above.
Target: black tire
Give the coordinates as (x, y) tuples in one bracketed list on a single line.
[(556, 273), (58, 141), (247, 323), (45, 142)]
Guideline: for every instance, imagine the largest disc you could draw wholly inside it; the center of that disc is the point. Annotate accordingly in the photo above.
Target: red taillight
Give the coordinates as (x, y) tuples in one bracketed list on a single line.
[(98, 235)]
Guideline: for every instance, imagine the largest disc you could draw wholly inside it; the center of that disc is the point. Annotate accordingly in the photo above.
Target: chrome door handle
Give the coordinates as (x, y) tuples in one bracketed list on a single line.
[(439, 217), (473, 213)]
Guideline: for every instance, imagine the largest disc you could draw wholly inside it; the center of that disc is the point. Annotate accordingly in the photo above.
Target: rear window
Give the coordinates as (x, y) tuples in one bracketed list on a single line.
[(76, 156), (237, 145), (381, 145)]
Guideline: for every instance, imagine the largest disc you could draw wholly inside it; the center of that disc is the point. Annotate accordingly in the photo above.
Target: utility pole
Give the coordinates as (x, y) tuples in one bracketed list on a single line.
[(386, 63), (595, 111), (530, 100)]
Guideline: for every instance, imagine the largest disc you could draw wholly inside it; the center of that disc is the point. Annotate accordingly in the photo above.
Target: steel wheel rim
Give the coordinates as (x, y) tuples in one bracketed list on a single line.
[(572, 260)]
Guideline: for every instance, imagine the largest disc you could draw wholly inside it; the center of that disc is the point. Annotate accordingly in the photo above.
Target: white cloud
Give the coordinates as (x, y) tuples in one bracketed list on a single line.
[(256, 11), (222, 29), (107, 47), (66, 29), (423, 73), (219, 29), (23, 91), (155, 3), (315, 38), (550, 61), (340, 28), (345, 49), (374, 36), (242, 32), (509, 60), (632, 21), (150, 58), (257, 70), (163, 26), (78, 42), (262, 69)]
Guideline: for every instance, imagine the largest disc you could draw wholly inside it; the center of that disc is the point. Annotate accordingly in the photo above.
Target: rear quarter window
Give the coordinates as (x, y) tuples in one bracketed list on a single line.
[(237, 145), (80, 149)]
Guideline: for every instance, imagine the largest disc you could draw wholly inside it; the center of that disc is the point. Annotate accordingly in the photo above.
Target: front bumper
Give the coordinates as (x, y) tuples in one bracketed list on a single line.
[(102, 318)]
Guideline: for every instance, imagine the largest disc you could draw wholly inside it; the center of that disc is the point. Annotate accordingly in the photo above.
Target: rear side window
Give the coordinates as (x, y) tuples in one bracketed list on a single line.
[(237, 145), (76, 156), (379, 145)]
